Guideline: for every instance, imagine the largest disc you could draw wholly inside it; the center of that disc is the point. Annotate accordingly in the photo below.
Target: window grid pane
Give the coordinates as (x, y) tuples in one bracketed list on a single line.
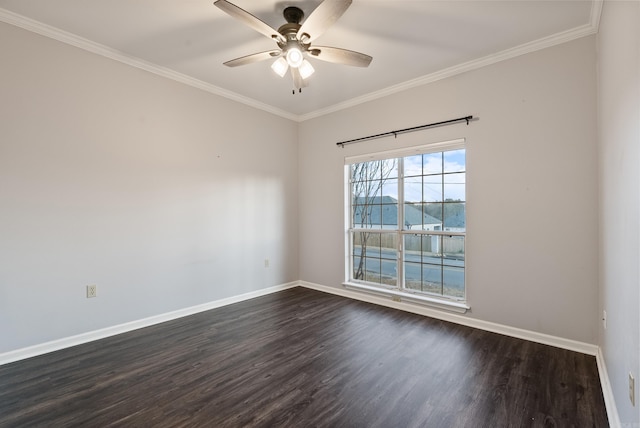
[(374, 257), (434, 264), (434, 200)]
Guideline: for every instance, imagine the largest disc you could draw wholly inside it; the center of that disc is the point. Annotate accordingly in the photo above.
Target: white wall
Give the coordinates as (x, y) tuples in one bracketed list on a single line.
[(163, 195), (619, 158), (532, 240)]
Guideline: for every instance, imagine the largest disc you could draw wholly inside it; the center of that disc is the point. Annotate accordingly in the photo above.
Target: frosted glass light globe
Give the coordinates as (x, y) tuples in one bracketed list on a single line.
[(294, 57)]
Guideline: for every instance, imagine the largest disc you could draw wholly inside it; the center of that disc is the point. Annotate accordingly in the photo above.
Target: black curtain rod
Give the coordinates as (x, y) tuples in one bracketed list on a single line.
[(405, 130)]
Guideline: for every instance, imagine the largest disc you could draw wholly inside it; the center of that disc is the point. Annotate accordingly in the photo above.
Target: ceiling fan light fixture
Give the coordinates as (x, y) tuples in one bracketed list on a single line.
[(294, 40), (280, 66), (294, 57), (306, 69)]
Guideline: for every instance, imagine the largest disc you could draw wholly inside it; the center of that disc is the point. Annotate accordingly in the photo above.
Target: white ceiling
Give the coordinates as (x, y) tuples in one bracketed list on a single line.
[(411, 42)]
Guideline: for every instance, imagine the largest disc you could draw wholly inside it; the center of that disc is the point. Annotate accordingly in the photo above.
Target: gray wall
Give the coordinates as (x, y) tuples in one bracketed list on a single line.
[(619, 157), (532, 240), (163, 195), (168, 197)]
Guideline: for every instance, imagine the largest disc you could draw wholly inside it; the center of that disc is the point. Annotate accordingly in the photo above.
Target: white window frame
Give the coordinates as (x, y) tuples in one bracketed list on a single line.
[(397, 292)]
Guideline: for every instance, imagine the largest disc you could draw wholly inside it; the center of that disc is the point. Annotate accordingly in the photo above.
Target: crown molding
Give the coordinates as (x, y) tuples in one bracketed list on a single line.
[(105, 51), (536, 45), (82, 43)]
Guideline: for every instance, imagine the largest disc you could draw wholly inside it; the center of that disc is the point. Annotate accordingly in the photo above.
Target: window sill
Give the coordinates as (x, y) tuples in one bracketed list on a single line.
[(448, 305)]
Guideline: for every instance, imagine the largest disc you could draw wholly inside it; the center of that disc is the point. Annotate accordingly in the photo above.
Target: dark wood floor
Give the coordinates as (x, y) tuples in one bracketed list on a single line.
[(302, 358)]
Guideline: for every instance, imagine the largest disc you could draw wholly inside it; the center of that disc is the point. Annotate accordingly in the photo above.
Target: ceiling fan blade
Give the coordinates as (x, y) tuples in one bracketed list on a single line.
[(249, 59), (250, 20), (340, 56), (322, 18)]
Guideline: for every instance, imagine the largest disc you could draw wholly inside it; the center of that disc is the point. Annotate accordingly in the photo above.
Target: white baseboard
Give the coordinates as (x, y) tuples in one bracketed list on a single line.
[(607, 392), (558, 342), (67, 342)]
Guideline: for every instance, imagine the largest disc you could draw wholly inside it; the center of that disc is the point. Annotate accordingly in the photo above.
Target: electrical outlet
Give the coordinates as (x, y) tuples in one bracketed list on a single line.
[(92, 290), (604, 319), (266, 263), (396, 298), (632, 389)]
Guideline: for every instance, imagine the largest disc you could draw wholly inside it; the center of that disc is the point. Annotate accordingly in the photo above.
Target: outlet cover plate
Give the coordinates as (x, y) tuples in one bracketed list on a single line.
[(92, 291)]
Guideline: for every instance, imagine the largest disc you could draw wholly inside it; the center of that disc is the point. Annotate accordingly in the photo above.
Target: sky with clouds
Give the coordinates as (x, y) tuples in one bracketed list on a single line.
[(437, 167)]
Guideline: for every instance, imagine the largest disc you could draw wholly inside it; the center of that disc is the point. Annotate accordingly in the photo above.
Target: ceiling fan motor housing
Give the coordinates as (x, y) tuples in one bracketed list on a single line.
[(290, 31)]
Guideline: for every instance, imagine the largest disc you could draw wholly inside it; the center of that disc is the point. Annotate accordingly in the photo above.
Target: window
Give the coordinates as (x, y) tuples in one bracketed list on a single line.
[(406, 221)]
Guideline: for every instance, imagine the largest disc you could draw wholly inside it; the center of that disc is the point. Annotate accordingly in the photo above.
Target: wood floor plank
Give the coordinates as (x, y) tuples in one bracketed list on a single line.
[(302, 358)]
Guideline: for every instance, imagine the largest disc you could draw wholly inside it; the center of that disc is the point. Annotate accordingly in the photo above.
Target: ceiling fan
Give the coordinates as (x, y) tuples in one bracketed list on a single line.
[(294, 40)]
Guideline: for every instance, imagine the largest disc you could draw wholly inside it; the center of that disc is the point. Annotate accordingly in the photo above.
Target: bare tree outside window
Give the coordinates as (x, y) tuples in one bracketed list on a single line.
[(367, 182)]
